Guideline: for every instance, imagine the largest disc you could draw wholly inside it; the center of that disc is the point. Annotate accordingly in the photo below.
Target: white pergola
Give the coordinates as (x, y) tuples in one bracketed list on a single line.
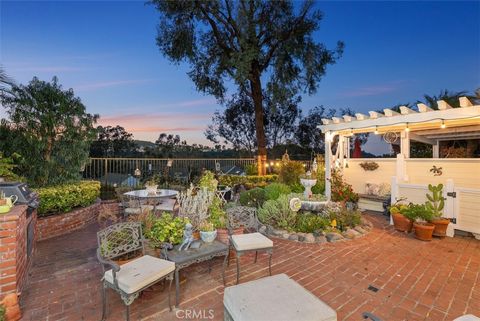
[(423, 124)]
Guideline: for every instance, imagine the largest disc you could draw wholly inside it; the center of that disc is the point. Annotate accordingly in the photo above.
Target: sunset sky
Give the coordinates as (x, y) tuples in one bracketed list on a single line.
[(394, 53)]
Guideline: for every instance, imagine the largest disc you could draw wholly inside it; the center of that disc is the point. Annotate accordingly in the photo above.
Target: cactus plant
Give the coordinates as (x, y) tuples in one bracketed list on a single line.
[(436, 201)]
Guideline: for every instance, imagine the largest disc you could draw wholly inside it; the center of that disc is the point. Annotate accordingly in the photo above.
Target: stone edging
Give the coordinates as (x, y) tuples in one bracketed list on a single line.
[(321, 237), (64, 223)]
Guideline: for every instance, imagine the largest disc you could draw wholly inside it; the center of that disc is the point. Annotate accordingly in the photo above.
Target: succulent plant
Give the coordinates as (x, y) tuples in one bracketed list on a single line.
[(436, 201)]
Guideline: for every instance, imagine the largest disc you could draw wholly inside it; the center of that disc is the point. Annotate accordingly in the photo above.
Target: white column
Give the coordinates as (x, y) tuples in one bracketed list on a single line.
[(328, 165), (436, 150), (393, 193), (400, 170), (405, 144), (341, 148), (449, 208)]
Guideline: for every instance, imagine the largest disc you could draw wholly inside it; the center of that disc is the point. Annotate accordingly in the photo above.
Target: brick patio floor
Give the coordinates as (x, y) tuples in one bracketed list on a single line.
[(437, 280)]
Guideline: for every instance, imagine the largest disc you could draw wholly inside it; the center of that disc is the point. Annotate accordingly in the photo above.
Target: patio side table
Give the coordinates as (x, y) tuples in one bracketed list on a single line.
[(205, 252)]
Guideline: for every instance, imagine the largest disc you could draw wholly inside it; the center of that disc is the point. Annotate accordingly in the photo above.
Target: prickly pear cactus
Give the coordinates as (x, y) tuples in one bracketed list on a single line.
[(436, 201)]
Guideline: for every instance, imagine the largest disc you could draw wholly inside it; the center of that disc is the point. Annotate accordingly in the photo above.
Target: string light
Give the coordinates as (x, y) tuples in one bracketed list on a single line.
[(443, 126), (376, 130), (407, 129), (351, 131)]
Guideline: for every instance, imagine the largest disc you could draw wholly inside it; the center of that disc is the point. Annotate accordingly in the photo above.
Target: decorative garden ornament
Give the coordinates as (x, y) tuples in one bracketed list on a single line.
[(187, 237), (295, 204)]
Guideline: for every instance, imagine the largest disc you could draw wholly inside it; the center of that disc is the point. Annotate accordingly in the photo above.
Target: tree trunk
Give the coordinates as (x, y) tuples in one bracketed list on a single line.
[(256, 89)]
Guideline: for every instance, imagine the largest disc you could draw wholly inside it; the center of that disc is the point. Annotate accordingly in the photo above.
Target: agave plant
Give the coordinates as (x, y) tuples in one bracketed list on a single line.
[(436, 202)]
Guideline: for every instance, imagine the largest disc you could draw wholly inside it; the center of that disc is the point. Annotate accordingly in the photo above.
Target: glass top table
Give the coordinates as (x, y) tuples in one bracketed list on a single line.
[(161, 193)]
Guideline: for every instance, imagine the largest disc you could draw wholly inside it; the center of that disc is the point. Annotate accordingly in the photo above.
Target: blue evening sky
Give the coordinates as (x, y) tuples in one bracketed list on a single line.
[(395, 52)]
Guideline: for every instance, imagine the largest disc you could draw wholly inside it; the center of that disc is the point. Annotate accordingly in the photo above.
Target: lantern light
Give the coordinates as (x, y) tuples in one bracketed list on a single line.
[(443, 126), (407, 129), (376, 130)]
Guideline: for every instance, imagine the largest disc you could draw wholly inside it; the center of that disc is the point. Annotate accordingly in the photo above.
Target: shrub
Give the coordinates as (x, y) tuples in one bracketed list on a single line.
[(218, 216), (290, 172), (345, 219), (249, 181), (319, 188), (274, 190), (167, 229), (208, 181), (64, 198), (308, 223), (2, 313), (297, 188), (253, 198), (251, 169), (277, 213), (341, 190)]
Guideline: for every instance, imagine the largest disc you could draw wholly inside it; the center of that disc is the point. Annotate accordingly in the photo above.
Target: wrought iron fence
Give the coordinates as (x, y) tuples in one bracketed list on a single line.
[(132, 171), (129, 171)]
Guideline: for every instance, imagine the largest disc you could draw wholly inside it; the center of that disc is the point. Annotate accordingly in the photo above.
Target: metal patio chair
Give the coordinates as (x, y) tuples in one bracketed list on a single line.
[(246, 217), (135, 276)]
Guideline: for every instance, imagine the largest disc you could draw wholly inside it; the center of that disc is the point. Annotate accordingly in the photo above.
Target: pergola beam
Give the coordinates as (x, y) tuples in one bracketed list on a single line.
[(422, 139)]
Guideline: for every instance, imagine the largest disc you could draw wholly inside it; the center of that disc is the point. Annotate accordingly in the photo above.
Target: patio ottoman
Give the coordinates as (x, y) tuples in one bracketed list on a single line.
[(274, 298)]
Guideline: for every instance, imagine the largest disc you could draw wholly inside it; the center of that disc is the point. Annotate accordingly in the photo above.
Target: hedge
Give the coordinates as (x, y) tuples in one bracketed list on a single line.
[(64, 198), (249, 180)]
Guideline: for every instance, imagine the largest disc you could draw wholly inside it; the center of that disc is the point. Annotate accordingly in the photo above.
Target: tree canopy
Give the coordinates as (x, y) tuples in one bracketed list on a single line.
[(50, 128), (112, 141), (246, 42)]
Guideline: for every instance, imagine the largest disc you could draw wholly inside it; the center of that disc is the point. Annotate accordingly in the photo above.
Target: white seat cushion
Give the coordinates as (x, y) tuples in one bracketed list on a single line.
[(251, 241), (467, 317), (140, 272), (275, 298), (138, 210)]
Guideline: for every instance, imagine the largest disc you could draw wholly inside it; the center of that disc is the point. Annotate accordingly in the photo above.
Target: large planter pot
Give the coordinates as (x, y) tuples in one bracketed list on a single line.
[(222, 234), (208, 237), (401, 223), (196, 235), (423, 231), (441, 226)]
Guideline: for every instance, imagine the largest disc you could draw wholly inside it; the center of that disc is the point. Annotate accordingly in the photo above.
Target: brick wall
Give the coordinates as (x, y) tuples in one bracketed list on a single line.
[(14, 262), (56, 225)]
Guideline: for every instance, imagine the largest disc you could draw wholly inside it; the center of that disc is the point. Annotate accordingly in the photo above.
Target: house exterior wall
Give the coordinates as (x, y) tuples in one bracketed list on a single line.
[(465, 172), (358, 177)]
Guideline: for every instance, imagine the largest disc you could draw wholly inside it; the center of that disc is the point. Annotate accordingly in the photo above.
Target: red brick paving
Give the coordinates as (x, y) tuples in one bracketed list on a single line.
[(438, 280)]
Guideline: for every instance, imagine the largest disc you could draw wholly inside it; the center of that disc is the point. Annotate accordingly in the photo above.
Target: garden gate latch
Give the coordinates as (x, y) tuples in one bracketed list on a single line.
[(452, 194)]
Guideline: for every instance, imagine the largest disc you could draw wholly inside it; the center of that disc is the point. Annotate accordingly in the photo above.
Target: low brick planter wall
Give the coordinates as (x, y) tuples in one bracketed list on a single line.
[(59, 224)]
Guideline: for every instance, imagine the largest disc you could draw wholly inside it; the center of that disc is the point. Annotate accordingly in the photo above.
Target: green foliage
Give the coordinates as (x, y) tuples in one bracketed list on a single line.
[(253, 198), (218, 216), (341, 190), (251, 169), (309, 222), (112, 142), (7, 167), (319, 187), (66, 197), (314, 197), (2, 313), (249, 181), (297, 188), (274, 190), (277, 213), (50, 128), (416, 211), (167, 229), (207, 227), (436, 202), (290, 172), (208, 181), (345, 219)]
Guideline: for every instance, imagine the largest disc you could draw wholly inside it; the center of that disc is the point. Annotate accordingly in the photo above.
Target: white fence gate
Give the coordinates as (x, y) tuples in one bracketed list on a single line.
[(462, 205)]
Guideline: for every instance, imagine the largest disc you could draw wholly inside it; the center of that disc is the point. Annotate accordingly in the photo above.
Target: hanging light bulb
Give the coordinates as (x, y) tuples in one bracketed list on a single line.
[(376, 130), (351, 131), (407, 129), (443, 126)]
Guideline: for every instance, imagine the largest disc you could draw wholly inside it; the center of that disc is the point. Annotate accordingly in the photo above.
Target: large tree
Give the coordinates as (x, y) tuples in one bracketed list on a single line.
[(247, 42), (308, 135), (50, 129), (236, 124), (112, 142)]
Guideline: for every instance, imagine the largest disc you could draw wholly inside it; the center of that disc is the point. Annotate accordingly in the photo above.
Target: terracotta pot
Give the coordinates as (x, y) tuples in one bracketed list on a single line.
[(441, 226), (196, 235), (423, 231), (401, 223), (3, 201)]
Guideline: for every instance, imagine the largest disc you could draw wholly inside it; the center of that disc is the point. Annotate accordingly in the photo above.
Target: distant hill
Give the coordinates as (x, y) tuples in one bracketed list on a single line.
[(144, 143)]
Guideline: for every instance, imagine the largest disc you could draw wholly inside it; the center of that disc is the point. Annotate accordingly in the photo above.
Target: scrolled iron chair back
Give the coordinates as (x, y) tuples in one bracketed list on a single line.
[(119, 239), (242, 216)]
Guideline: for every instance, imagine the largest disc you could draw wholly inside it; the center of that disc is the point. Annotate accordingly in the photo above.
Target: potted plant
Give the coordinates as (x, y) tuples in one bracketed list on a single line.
[(208, 233), (401, 222), (435, 205), (166, 229), (423, 229)]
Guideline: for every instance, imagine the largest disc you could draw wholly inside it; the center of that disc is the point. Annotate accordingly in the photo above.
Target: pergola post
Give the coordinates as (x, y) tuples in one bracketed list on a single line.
[(436, 150), (328, 165), (405, 143)]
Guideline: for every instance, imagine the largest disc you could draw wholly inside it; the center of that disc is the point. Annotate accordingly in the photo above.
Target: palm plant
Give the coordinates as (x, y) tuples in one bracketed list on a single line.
[(4, 79)]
